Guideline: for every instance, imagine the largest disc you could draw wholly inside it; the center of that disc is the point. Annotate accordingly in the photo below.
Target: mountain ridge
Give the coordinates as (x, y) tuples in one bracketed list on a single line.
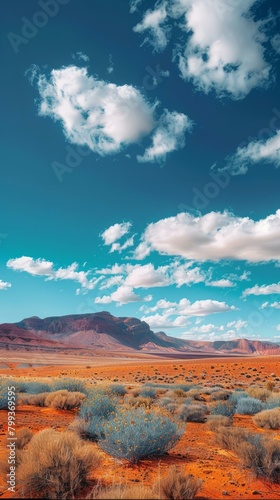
[(103, 331)]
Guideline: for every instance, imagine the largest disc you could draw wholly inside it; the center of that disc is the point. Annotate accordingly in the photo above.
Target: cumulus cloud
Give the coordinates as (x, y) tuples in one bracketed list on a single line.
[(123, 295), (183, 309), (103, 116), (147, 277), (256, 151), (216, 236), (211, 332), (42, 267), (168, 136), (4, 285), (222, 45), (185, 274), (262, 290)]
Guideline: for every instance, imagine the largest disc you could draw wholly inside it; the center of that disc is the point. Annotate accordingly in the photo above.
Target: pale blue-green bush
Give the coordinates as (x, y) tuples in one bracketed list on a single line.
[(248, 406)]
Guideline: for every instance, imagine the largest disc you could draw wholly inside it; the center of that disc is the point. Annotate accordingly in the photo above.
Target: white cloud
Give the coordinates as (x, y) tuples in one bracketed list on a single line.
[(147, 277), (216, 236), (202, 307), (142, 251), (255, 152), (185, 275), (222, 45), (113, 281), (278, 328), (274, 305), (223, 283), (4, 285), (168, 136), (134, 5), (123, 295), (42, 267), (119, 248), (100, 115), (163, 321), (104, 116), (262, 290), (115, 232), (115, 269), (154, 22), (80, 56)]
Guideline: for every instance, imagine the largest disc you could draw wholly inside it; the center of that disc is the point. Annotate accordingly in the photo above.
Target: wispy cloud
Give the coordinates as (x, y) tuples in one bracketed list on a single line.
[(45, 268), (256, 151), (262, 290)]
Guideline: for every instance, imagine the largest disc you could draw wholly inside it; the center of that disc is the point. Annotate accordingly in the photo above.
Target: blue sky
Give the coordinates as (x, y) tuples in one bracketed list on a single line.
[(140, 163)]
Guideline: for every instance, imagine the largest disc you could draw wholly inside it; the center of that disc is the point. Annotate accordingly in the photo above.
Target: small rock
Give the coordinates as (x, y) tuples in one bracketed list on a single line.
[(224, 492), (255, 492)]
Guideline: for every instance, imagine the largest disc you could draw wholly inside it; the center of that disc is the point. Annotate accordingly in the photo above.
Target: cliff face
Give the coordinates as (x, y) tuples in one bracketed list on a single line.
[(104, 331)]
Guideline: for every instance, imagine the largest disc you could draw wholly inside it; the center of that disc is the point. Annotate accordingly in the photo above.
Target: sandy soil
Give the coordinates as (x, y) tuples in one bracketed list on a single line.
[(196, 453)]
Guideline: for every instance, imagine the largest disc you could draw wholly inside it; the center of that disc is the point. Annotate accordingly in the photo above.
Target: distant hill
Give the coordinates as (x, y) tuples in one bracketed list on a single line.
[(103, 331)]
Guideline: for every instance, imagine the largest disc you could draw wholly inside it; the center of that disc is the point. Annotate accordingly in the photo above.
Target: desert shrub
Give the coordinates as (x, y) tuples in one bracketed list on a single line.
[(33, 399), (136, 434), (219, 395), (172, 407), (230, 437), (268, 419), (97, 405), (88, 429), (71, 385), (225, 409), (141, 402), (32, 387), (24, 435), (270, 385), (177, 486), (195, 394), (192, 413), (120, 492), (272, 403), (258, 393), (236, 395), (64, 400), (248, 406), (56, 465), (147, 392), (179, 393), (164, 402), (214, 422), (117, 390), (261, 456)]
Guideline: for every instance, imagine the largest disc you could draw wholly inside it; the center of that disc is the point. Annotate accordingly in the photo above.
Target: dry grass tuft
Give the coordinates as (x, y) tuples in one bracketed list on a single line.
[(177, 486), (24, 436), (268, 419), (56, 465)]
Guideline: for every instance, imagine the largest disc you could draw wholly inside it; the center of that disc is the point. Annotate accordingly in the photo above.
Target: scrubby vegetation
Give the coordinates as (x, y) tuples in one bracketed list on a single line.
[(177, 486), (133, 423), (137, 434), (55, 465)]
